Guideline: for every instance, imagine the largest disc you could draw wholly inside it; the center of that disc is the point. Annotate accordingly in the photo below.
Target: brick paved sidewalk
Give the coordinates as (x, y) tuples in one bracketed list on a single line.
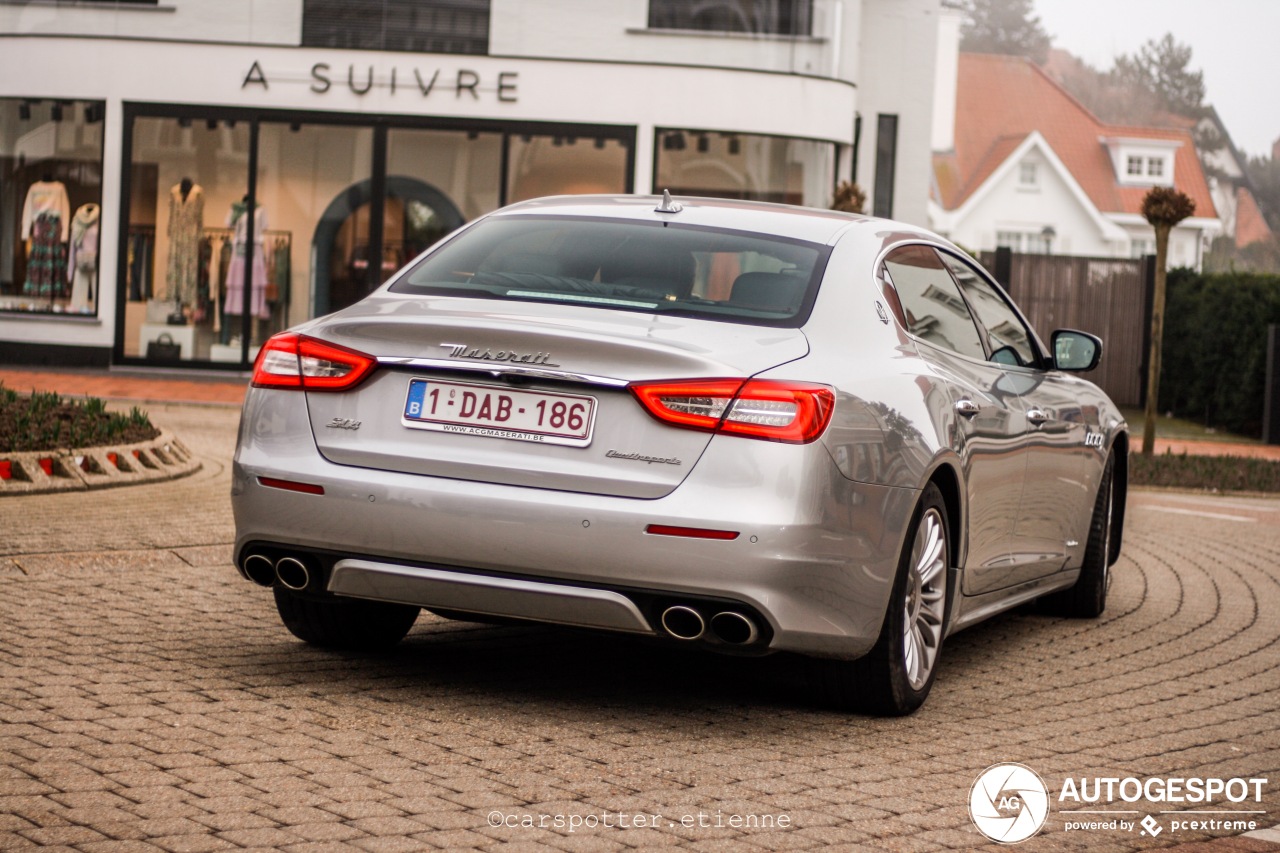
[(121, 385)]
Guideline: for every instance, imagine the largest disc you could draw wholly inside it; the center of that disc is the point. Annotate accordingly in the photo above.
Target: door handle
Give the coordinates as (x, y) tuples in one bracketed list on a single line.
[(967, 408), (1037, 416)]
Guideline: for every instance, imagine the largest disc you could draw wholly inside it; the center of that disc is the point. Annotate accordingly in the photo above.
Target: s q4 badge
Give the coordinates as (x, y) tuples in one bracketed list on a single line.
[(1093, 439), (343, 423)]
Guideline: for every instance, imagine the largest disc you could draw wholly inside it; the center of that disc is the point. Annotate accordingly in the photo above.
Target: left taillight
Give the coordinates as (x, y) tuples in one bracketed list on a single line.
[(792, 412), (296, 361)]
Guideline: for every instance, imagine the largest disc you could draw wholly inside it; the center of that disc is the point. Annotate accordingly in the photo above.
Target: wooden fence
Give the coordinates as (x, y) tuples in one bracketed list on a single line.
[(1108, 297)]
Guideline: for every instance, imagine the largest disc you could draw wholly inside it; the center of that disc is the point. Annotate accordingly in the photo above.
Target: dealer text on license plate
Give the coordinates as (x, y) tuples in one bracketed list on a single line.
[(499, 412)]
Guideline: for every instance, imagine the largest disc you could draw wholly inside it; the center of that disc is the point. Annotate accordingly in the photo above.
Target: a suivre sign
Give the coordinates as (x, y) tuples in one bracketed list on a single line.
[(360, 79)]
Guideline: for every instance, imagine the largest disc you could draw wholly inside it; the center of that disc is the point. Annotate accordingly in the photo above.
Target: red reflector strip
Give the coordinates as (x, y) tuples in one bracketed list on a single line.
[(291, 486), (690, 532)]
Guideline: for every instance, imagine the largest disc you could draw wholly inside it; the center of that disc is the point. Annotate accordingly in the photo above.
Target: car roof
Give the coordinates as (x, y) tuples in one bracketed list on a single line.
[(811, 224)]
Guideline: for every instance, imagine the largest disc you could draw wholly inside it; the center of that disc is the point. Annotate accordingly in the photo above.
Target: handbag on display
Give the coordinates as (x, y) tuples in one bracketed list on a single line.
[(177, 318), (164, 348)]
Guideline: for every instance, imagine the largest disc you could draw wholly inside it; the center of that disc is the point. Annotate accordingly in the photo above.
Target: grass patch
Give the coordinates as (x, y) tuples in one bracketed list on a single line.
[(1180, 428), (1213, 473), (46, 421)]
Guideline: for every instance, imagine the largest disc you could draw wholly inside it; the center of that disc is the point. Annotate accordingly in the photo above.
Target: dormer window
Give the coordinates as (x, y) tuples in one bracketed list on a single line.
[(1142, 162)]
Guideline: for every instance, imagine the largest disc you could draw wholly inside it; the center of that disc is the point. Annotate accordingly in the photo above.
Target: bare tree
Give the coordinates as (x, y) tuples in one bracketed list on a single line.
[(1163, 207), (850, 198)]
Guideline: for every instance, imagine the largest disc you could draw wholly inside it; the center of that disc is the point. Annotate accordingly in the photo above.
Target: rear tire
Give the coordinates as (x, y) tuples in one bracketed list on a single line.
[(1088, 598), (895, 677), (350, 624)]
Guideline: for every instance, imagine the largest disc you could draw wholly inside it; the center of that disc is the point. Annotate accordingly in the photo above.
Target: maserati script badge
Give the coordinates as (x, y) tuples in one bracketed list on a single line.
[(478, 354)]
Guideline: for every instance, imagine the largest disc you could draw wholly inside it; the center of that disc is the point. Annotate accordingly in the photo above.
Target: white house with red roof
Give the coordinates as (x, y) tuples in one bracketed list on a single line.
[(1028, 167)]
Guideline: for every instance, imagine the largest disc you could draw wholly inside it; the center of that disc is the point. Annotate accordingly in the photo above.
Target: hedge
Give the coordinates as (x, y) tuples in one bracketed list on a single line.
[(1215, 347)]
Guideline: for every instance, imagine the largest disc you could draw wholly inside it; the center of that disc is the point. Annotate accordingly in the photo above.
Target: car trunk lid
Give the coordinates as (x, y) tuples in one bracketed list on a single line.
[(473, 390)]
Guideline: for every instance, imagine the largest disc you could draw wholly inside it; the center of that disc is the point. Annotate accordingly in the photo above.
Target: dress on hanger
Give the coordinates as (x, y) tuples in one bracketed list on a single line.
[(82, 257), (46, 220), (238, 221), (186, 221)]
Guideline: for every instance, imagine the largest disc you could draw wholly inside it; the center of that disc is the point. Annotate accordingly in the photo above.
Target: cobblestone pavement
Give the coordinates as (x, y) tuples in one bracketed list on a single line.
[(150, 699)]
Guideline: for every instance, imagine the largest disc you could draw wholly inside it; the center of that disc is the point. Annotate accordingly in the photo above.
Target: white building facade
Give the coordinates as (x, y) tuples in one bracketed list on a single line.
[(206, 174), (1027, 167)]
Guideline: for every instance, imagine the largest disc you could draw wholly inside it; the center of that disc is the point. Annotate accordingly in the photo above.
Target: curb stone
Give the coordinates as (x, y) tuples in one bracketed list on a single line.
[(161, 458)]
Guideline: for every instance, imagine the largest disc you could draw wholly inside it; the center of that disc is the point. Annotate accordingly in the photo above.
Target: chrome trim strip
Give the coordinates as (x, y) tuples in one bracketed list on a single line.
[(482, 594), (499, 369)]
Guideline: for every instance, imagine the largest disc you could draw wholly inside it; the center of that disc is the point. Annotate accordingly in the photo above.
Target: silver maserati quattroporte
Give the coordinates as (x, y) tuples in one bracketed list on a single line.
[(743, 426)]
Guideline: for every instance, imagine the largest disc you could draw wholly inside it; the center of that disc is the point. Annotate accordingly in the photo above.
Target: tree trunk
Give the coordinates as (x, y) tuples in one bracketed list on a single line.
[(1157, 341)]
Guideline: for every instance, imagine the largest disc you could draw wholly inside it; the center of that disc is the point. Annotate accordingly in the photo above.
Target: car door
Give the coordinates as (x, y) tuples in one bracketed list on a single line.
[(986, 421), (1054, 494)]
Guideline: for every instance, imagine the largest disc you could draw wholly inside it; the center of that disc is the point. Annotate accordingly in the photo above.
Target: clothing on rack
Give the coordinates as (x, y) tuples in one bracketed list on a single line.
[(239, 221), (186, 219), (142, 246), (82, 257)]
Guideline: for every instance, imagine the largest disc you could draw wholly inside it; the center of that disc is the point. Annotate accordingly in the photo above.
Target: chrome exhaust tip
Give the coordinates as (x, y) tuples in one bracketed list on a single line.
[(259, 569), (734, 628), (292, 573), (683, 623)]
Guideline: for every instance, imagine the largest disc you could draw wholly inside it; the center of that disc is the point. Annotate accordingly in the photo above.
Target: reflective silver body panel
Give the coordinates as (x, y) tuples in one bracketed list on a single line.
[(820, 526)]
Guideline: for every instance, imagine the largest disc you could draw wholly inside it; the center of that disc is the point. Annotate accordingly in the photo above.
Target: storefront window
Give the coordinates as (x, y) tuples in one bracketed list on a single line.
[(566, 164), (186, 177), (215, 259), (321, 252), (436, 181), (50, 205), (735, 165)]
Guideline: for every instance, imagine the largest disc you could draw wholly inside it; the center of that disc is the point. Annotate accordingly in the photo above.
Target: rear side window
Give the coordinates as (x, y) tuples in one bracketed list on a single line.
[(1007, 338), (935, 311), (632, 266)]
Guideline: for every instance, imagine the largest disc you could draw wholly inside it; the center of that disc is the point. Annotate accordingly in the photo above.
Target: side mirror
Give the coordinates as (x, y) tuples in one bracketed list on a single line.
[(1075, 351)]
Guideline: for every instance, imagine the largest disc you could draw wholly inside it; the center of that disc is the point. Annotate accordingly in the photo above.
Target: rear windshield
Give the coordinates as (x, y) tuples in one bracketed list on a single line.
[(628, 266)]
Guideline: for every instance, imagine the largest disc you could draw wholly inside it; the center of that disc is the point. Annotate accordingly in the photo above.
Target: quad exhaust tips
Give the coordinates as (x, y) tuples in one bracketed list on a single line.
[(728, 626), (289, 572)]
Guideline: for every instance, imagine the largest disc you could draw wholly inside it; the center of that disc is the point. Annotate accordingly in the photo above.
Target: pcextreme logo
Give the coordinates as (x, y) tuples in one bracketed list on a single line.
[(1009, 803)]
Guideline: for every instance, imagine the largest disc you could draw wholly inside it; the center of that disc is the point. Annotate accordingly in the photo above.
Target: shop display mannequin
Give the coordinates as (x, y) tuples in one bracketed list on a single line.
[(186, 222), (82, 259), (46, 222), (234, 304)]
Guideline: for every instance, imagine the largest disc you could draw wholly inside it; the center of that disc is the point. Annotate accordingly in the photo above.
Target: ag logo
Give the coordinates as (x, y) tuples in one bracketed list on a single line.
[(1008, 803)]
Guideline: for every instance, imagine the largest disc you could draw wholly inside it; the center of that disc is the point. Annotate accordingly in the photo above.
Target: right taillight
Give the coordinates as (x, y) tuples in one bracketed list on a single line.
[(792, 412), (295, 361)]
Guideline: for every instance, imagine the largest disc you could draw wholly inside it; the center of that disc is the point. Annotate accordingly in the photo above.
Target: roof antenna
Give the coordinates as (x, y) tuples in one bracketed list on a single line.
[(668, 206)]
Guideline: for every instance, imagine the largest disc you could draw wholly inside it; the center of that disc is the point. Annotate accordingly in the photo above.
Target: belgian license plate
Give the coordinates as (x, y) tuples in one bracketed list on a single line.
[(500, 412)]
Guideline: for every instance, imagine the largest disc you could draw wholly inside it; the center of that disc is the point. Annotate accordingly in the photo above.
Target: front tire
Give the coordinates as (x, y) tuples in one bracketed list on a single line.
[(895, 677), (350, 624), (1088, 597)]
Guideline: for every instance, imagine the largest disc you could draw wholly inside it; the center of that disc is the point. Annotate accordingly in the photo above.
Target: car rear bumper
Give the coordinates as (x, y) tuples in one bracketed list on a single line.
[(813, 559)]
